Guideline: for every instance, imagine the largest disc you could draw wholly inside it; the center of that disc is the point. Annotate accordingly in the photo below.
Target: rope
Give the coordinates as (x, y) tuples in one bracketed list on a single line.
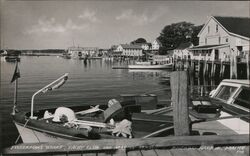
[(19, 133)]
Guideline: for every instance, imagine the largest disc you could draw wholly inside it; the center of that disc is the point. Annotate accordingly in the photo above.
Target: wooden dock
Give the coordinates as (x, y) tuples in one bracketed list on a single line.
[(165, 146), (212, 72)]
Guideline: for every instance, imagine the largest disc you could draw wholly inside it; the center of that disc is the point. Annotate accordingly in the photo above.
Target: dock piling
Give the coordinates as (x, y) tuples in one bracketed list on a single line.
[(179, 89)]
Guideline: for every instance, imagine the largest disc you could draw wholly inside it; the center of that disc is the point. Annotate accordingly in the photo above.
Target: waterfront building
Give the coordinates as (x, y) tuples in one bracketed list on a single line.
[(82, 51), (156, 46), (182, 52), (145, 46), (223, 37), (129, 50)]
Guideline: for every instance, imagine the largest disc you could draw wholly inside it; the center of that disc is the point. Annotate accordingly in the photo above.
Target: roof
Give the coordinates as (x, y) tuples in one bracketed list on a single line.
[(158, 41), (130, 46), (140, 44), (236, 25), (207, 47), (184, 45)]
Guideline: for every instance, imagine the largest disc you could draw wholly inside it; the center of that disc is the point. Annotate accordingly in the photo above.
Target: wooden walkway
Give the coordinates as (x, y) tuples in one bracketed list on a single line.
[(232, 145)]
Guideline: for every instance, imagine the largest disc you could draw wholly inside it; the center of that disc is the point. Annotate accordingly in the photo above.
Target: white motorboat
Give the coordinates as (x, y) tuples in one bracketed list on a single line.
[(232, 98), (151, 66)]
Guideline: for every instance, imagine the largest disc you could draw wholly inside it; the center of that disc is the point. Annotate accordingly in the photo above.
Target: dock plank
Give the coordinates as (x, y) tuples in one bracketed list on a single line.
[(150, 152), (89, 154), (177, 152), (163, 152), (121, 152), (74, 154), (129, 144), (104, 154), (193, 152), (134, 153)]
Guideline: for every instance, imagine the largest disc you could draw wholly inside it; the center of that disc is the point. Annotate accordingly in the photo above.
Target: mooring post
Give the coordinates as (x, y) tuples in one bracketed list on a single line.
[(233, 67), (248, 68), (179, 89)]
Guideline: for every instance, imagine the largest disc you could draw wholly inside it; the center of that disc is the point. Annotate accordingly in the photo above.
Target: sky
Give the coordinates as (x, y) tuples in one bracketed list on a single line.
[(61, 24)]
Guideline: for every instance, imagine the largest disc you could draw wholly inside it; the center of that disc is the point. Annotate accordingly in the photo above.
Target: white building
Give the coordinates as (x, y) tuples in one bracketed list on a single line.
[(156, 45), (223, 37), (76, 52), (129, 50), (145, 46), (182, 52)]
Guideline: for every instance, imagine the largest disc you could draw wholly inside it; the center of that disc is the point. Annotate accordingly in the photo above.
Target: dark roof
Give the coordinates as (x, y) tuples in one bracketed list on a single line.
[(236, 25), (184, 45), (130, 46), (158, 41)]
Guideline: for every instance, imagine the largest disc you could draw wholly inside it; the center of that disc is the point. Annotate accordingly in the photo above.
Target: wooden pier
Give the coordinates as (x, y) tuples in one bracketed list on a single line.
[(214, 71), (161, 146)]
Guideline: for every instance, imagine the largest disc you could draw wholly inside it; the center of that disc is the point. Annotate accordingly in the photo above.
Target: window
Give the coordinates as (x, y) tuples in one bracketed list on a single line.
[(226, 92), (243, 99), (205, 40), (208, 29), (219, 39), (217, 28), (226, 39)]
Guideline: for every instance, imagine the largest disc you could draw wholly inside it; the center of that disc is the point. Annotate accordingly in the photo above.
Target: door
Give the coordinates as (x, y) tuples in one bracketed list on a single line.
[(216, 54)]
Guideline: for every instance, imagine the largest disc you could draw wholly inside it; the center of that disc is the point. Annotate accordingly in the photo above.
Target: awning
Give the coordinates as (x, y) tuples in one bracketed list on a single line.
[(208, 47)]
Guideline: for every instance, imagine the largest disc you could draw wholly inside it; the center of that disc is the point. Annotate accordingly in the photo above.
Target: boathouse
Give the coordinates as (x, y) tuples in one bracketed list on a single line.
[(223, 37), (182, 52)]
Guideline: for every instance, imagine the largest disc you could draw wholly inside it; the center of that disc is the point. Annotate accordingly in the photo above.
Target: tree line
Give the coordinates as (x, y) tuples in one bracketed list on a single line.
[(174, 34)]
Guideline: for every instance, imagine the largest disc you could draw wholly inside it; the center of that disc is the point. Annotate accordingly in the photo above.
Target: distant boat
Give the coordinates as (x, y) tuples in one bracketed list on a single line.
[(150, 66), (12, 56), (143, 63), (66, 56)]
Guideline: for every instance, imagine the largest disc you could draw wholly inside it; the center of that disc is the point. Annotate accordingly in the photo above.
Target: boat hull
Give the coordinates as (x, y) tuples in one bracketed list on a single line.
[(29, 135), (140, 66), (235, 124)]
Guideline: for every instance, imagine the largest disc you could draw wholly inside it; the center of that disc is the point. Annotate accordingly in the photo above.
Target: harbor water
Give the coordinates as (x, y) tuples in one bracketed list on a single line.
[(91, 83)]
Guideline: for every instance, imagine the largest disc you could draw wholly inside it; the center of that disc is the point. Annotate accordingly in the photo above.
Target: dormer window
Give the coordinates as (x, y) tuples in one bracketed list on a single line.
[(217, 28)]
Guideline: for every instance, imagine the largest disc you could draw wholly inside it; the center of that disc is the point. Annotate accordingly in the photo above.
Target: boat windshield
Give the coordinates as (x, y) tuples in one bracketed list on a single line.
[(243, 99), (226, 92)]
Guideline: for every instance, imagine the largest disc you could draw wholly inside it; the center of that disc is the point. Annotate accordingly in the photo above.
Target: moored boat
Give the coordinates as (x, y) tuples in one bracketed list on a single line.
[(228, 105), (117, 119), (12, 56), (151, 66)]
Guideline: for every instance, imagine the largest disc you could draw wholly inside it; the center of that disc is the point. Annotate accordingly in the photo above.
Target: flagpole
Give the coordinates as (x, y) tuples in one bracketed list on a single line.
[(15, 92)]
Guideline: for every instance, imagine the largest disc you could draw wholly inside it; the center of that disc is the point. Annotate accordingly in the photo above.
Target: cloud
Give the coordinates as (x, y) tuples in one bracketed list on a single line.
[(89, 15), (141, 19), (45, 25)]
